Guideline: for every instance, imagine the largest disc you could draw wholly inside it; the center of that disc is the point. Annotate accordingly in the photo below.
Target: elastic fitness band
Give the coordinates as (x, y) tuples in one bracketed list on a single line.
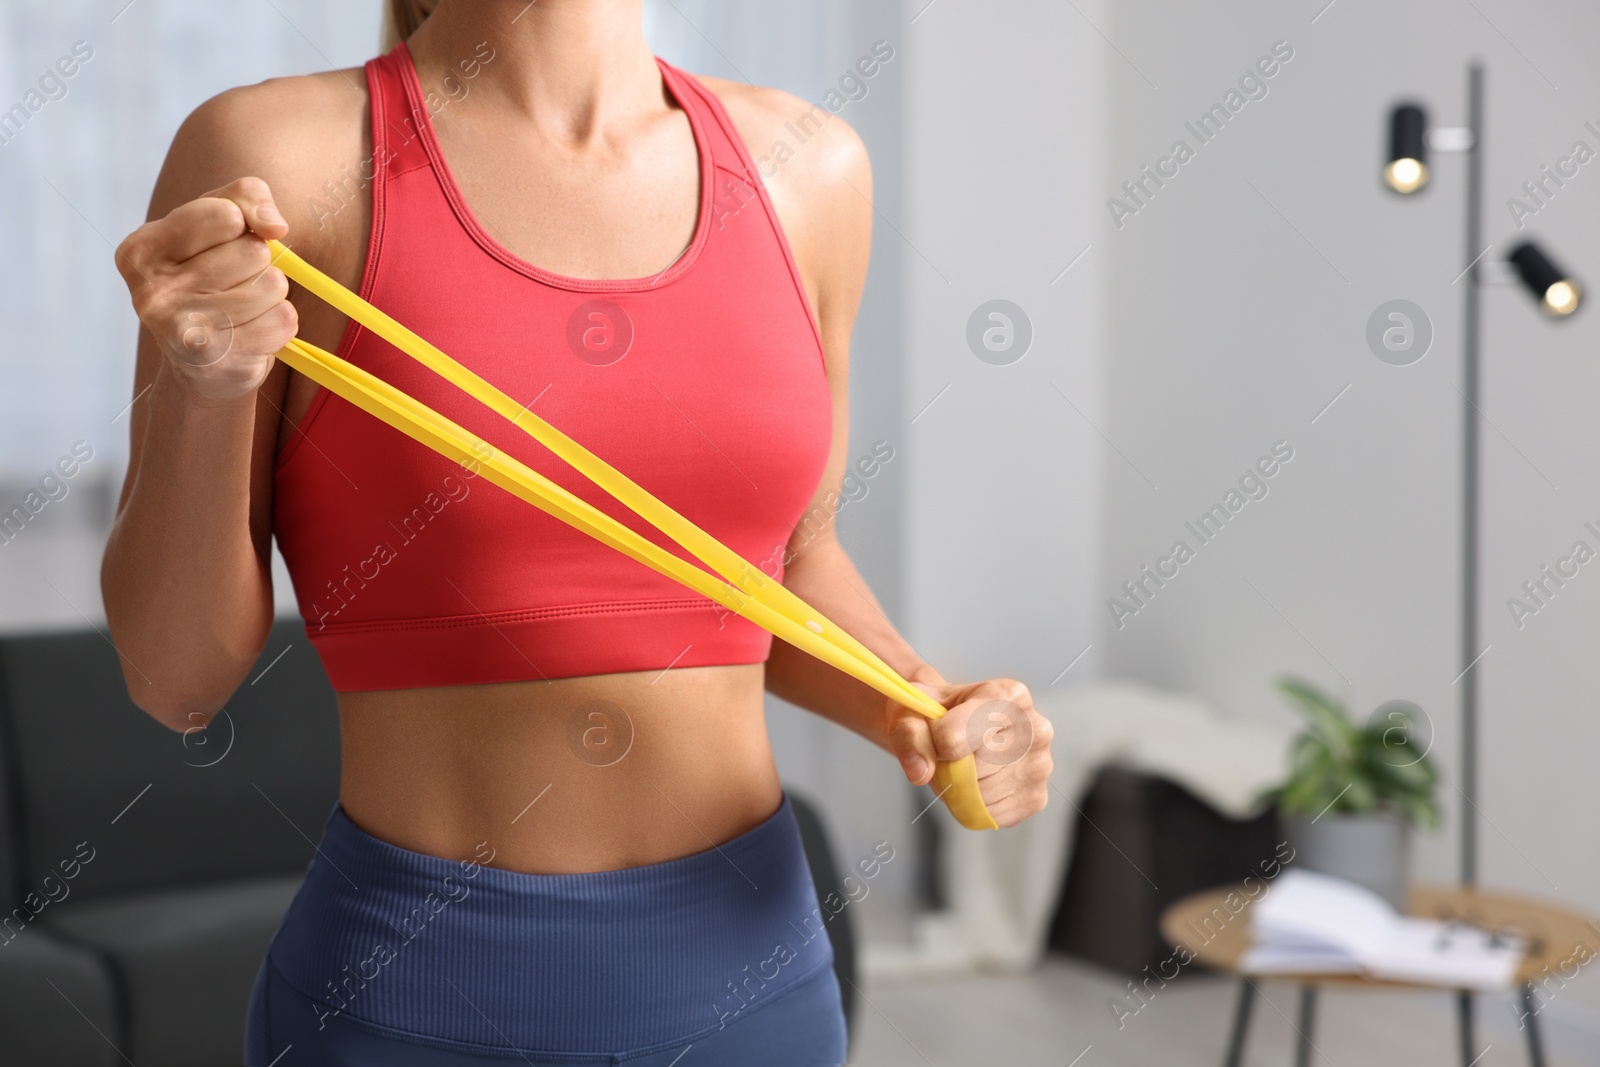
[(765, 602)]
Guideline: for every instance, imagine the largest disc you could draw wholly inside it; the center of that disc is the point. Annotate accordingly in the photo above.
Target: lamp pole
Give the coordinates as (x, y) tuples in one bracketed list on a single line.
[(1470, 414)]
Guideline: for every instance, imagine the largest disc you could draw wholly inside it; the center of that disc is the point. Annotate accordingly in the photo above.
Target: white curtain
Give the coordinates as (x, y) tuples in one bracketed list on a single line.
[(77, 177)]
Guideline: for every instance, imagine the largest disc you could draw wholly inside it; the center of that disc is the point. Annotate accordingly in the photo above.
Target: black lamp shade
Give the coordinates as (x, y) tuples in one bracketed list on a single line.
[(1557, 293), (1408, 127), (1407, 169)]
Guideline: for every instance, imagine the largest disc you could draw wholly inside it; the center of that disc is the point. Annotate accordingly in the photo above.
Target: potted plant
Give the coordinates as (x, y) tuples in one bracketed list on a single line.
[(1354, 792)]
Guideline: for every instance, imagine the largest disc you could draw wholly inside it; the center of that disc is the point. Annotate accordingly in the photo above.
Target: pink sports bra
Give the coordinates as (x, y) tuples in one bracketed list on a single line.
[(704, 383)]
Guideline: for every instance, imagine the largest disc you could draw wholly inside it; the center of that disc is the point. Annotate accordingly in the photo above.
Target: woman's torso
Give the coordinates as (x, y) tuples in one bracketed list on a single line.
[(582, 773)]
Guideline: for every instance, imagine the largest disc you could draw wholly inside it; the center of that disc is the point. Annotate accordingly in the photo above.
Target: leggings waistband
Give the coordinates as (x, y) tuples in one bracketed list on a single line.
[(464, 954)]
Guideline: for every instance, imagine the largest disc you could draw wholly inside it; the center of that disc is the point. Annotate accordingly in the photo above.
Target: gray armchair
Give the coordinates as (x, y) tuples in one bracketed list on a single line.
[(194, 844)]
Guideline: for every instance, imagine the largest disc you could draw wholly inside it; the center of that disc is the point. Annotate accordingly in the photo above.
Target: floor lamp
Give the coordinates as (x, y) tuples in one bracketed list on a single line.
[(1405, 173)]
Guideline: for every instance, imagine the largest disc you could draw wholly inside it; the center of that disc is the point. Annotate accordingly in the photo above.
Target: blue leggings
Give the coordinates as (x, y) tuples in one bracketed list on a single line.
[(803, 1026), (394, 958)]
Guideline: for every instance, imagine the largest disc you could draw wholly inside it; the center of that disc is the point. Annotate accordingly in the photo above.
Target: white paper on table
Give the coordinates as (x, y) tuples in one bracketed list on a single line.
[(1310, 923)]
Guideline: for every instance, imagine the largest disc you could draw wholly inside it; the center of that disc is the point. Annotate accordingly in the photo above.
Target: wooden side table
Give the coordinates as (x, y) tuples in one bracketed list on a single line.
[(1216, 934)]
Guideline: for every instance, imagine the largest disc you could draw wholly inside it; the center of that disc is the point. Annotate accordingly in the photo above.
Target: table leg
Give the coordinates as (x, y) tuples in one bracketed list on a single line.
[(1241, 1023), (1308, 1011), (1464, 1021), (1530, 1008)]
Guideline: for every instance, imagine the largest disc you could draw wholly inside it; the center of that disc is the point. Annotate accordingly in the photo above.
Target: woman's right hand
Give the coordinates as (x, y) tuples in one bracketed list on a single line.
[(203, 285)]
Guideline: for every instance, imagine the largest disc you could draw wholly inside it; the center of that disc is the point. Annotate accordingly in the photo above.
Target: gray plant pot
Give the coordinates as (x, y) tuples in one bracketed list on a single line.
[(1370, 849)]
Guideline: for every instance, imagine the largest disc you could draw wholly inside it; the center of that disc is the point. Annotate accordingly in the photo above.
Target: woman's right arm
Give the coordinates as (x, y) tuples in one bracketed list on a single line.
[(186, 576)]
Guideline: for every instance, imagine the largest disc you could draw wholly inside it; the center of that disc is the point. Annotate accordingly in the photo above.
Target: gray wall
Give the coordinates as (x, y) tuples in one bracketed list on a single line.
[(1238, 302), (1005, 133), (1005, 153)]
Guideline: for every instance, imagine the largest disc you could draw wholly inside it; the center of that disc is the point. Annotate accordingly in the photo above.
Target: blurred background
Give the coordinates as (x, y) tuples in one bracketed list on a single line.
[(1073, 363)]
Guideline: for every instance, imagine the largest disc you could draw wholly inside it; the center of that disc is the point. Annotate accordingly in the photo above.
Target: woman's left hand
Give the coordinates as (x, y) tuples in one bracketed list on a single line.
[(997, 723)]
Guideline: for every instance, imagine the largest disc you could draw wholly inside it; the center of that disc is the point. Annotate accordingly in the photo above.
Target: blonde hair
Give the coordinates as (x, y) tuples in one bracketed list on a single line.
[(401, 19)]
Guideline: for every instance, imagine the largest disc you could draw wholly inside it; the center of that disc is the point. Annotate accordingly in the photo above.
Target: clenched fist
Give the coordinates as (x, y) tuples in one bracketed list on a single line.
[(203, 285), (997, 723)]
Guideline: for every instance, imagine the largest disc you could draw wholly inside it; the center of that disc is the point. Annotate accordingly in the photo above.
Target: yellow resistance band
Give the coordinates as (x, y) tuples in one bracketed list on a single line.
[(762, 600)]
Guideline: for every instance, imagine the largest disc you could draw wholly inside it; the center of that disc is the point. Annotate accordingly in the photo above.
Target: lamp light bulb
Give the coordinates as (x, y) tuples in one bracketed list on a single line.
[(1406, 175), (1562, 298)]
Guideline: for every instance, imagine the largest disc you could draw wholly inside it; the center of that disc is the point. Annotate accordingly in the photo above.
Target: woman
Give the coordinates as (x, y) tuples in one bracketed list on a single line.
[(561, 835)]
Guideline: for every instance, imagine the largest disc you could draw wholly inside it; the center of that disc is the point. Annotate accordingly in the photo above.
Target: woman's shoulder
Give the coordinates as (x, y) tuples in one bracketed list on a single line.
[(787, 134), (817, 174), (294, 133)]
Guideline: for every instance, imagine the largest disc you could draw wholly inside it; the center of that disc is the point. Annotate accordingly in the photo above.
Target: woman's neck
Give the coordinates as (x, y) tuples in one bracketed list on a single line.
[(572, 66)]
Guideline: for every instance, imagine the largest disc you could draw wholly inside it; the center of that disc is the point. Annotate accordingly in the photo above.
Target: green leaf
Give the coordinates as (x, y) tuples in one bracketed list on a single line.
[(1360, 796), (1327, 717)]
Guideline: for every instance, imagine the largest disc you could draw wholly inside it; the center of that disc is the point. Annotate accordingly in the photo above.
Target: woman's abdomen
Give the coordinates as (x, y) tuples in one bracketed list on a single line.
[(565, 776)]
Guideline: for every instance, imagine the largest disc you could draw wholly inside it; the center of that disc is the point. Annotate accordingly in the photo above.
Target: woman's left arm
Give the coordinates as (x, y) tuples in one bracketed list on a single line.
[(822, 195)]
